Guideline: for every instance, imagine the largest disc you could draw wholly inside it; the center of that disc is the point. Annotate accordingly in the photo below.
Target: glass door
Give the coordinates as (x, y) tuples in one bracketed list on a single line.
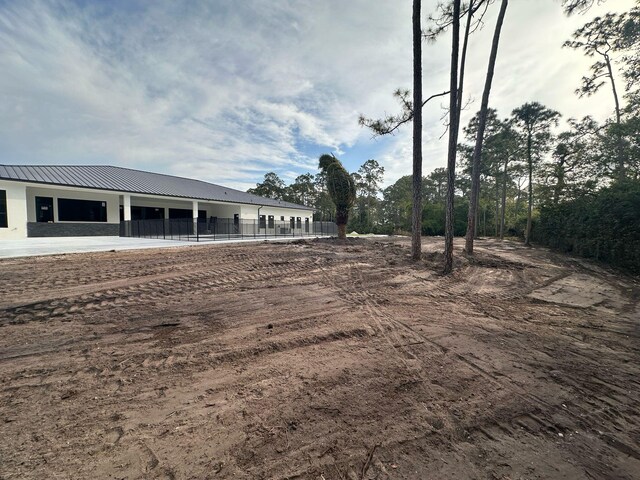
[(44, 209)]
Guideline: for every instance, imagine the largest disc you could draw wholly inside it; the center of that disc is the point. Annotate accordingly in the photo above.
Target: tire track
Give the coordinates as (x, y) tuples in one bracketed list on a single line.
[(195, 283), (60, 274), (356, 291)]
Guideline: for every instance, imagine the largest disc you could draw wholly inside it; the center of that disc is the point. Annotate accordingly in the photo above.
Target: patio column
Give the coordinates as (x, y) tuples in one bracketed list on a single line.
[(195, 216), (127, 207)]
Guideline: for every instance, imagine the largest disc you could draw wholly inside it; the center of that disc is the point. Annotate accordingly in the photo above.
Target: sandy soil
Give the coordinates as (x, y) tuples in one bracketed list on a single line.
[(317, 360)]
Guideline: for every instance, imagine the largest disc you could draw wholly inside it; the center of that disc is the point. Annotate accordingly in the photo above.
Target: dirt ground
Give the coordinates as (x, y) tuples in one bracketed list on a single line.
[(318, 360)]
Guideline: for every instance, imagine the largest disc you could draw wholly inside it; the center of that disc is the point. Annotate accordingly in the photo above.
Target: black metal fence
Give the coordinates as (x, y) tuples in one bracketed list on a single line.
[(196, 230)]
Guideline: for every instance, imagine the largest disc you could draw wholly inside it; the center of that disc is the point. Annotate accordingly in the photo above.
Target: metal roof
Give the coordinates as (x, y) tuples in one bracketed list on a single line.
[(126, 180)]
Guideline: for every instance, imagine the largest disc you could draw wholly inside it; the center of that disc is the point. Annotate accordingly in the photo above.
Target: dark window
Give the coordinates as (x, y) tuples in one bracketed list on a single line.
[(292, 222), (72, 210), (306, 224), (271, 222), (44, 209), (183, 213), (180, 213), (137, 213), (282, 219), (299, 222), (3, 209), (147, 213), (262, 223)]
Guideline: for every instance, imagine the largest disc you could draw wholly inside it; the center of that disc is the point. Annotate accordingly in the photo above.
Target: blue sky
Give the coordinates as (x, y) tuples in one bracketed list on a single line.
[(226, 91)]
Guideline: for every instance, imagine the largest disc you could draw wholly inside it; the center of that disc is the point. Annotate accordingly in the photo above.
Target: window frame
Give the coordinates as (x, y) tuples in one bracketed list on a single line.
[(68, 213), (38, 200), (4, 210)]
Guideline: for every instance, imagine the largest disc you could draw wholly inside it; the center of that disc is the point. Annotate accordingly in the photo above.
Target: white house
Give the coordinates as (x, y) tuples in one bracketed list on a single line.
[(74, 200)]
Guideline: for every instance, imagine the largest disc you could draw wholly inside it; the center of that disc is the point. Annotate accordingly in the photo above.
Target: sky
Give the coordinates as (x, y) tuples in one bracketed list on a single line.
[(226, 91)]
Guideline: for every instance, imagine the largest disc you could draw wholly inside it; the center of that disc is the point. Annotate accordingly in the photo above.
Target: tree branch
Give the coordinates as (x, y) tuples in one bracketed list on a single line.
[(390, 124), (434, 96)]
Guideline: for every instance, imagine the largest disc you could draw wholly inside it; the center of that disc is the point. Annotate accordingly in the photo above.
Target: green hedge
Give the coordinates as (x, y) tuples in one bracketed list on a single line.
[(605, 226)]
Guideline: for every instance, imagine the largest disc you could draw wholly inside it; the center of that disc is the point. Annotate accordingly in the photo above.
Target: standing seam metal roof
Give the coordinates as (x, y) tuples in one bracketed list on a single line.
[(126, 180)]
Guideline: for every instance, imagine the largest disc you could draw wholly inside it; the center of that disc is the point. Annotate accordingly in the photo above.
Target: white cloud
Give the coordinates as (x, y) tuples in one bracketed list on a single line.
[(226, 91), (531, 66)]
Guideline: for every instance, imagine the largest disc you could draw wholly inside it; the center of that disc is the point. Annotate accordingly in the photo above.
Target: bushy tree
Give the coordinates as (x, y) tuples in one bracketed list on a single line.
[(302, 190), (367, 180), (533, 121), (271, 187), (396, 205), (613, 40), (341, 188)]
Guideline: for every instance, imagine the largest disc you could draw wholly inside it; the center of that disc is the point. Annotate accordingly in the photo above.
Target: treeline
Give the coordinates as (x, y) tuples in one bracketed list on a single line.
[(575, 188), (580, 203), (311, 190)]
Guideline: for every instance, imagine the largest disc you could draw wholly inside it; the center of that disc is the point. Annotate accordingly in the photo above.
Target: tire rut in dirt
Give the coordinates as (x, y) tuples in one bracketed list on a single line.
[(196, 283)]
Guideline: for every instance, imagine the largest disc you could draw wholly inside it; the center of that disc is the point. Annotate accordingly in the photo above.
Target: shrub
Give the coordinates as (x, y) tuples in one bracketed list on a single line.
[(605, 226)]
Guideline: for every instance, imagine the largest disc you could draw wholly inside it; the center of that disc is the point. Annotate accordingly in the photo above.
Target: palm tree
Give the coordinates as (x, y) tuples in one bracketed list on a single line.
[(341, 188)]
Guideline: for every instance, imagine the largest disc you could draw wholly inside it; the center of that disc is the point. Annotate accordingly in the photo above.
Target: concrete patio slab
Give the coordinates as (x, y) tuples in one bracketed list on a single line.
[(28, 247), (32, 247)]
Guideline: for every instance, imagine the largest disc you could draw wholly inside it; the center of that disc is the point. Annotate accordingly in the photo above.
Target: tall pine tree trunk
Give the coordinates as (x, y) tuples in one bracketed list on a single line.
[(484, 212), (453, 138), (497, 195), (527, 233), (463, 58), (482, 122), (476, 233), (620, 146), (516, 208), (560, 184), (504, 197), (416, 217)]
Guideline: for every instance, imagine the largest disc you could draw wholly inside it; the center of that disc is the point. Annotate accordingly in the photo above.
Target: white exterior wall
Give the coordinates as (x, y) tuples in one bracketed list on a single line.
[(16, 210), (250, 212), (112, 200), (220, 210), (21, 206)]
